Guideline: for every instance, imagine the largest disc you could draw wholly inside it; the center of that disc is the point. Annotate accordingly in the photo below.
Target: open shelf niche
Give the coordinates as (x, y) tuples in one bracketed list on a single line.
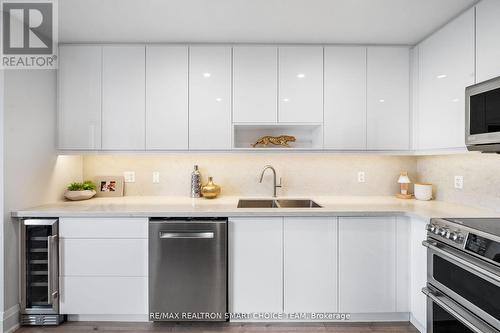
[(308, 136)]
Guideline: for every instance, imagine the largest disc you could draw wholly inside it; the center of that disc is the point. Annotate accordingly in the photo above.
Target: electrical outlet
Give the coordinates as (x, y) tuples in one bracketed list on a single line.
[(156, 177), (129, 176), (459, 182), (361, 177)]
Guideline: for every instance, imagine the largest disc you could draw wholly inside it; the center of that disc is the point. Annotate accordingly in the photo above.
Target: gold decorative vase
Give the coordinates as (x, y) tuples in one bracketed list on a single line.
[(210, 190)]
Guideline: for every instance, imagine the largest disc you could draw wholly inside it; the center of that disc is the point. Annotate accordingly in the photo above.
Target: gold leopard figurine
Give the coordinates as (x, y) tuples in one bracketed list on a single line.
[(281, 140)]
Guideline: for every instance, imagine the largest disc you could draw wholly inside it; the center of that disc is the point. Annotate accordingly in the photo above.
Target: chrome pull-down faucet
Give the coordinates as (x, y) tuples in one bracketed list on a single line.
[(275, 185)]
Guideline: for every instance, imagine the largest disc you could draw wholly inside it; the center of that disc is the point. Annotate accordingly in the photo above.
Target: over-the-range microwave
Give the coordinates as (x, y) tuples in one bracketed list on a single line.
[(482, 116)]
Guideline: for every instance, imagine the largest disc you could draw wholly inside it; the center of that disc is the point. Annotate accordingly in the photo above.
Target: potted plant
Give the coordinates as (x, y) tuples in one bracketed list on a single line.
[(80, 191)]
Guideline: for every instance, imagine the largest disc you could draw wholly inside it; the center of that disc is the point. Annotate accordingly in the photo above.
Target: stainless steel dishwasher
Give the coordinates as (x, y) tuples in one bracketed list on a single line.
[(187, 269)]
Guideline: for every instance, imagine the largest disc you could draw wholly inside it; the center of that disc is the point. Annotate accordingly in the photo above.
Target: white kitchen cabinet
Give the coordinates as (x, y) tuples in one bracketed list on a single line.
[(79, 95), (388, 89), (210, 98), (255, 265), (100, 258), (418, 273), (103, 257), (123, 97), (105, 227), (487, 41), (367, 264), (255, 84), (104, 295), (446, 61), (310, 264), (301, 84), (345, 98), (166, 97)]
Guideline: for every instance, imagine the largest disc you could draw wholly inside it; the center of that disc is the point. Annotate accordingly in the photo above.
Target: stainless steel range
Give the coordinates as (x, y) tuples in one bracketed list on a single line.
[(463, 275)]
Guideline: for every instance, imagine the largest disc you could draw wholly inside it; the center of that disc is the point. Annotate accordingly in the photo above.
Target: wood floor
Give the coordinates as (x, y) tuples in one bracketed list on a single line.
[(117, 327)]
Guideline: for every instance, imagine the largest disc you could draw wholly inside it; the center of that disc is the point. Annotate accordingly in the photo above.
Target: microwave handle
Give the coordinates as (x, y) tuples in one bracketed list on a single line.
[(449, 307), (52, 258), (478, 269)]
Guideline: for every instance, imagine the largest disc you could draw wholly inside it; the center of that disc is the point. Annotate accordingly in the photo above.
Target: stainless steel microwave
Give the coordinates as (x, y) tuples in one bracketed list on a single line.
[(482, 116)]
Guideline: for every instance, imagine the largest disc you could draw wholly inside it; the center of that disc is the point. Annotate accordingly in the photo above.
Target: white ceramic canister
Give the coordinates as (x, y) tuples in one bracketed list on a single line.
[(423, 191)]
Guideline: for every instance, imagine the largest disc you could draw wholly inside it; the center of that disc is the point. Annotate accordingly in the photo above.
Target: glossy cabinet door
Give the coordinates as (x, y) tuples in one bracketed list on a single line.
[(103, 266), (367, 264), (487, 40), (301, 84), (345, 98), (166, 97), (418, 273), (209, 98), (255, 84), (446, 62), (388, 98), (310, 264), (255, 265), (79, 90), (123, 101)]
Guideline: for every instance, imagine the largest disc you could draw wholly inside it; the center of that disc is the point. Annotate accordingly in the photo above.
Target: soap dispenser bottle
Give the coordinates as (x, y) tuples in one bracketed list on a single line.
[(196, 183)]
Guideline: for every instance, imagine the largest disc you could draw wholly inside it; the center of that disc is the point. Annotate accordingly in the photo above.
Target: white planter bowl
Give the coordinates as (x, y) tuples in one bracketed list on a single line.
[(79, 195), (423, 191)]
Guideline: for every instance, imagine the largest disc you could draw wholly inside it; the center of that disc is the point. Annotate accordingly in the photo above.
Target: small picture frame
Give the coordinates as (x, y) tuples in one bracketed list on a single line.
[(109, 186)]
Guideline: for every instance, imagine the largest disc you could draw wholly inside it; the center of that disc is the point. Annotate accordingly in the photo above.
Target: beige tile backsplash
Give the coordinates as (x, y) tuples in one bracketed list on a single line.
[(238, 174), (481, 174), (308, 174)]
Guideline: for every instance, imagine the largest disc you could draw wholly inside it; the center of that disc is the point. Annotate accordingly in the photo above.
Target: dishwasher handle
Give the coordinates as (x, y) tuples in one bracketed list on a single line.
[(184, 235)]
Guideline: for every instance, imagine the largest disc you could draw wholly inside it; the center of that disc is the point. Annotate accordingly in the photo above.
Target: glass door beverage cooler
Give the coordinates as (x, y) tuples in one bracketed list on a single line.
[(40, 272)]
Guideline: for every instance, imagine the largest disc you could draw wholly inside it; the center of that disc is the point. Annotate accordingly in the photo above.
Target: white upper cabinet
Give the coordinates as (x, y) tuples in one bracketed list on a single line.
[(367, 273), (210, 98), (301, 84), (310, 264), (123, 101), (345, 98), (255, 84), (79, 90), (446, 61), (166, 97), (487, 40), (388, 98)]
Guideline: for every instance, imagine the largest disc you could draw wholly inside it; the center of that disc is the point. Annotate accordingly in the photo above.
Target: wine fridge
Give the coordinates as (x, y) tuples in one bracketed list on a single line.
[(39, 272)]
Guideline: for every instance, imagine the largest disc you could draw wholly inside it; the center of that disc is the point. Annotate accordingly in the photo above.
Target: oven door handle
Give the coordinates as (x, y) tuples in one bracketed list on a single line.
[(464, 317), (460, 259)]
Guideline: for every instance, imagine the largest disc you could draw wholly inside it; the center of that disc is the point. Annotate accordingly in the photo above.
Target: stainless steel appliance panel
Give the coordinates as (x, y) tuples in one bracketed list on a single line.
[(187, 269)]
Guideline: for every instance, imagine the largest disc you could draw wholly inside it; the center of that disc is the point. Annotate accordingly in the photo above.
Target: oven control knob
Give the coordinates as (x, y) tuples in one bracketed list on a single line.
[(443, 231), (452, 235), (429, 227)]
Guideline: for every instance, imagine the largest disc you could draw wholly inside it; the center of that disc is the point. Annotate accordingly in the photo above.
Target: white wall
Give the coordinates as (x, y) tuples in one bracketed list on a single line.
[(1, 197), (32, 168)]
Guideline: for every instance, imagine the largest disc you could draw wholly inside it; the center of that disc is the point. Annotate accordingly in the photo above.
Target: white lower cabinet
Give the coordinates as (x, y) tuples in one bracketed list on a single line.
[(310, 264), (255, 265), (367, 264), (104, 295), (418, 273), (103, 266)]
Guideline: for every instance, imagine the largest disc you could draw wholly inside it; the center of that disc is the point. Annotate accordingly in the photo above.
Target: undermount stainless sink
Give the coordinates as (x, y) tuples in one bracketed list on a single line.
[(279, 203), (297, 203), (257, 203)]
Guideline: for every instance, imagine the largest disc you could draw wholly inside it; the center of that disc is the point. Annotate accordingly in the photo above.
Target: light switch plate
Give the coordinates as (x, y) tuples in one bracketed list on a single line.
[(361, 177), (129, 176), (459, 182), (156, 177)]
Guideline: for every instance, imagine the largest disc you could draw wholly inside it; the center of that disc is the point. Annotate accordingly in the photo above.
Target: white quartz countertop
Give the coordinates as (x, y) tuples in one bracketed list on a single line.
[(225, 206)]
